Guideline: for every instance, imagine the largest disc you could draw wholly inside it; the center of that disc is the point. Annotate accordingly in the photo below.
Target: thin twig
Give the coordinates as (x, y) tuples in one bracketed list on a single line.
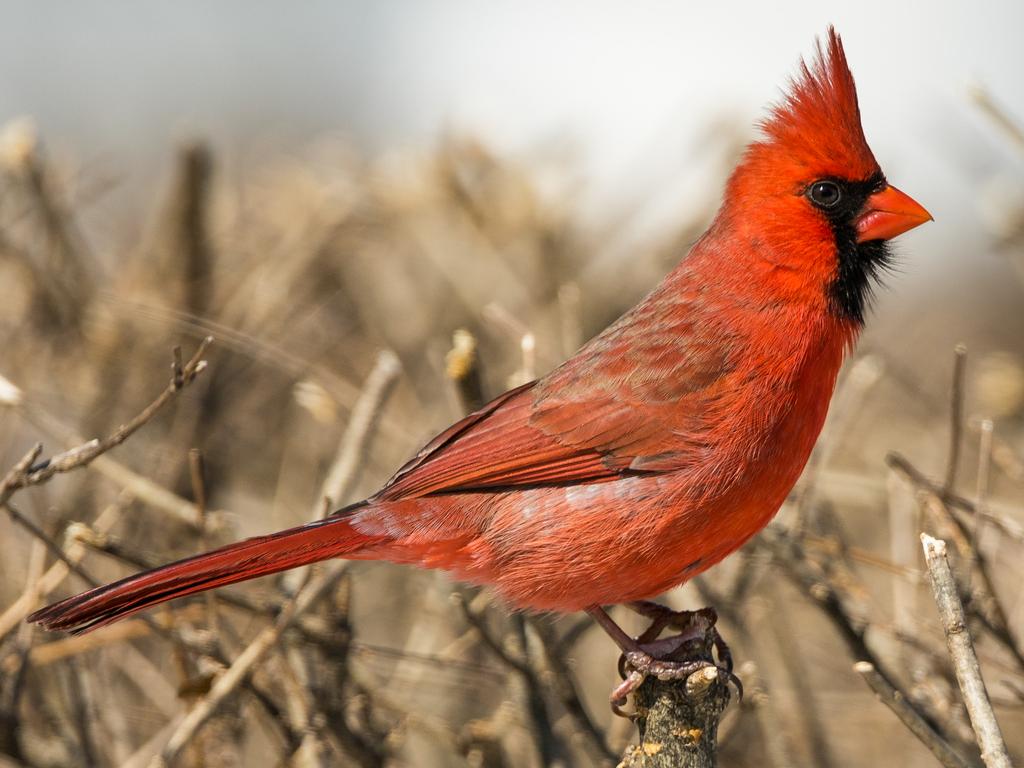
[(27, 472), (1003, 522), (828, 596), (141, 487), (956, 416), (560, 680), (336, 488), (360, 430), (981, 494), (56, 573), (478, 622), (353, 446), (909, 716), (531, 694), (518, 659), (961, 651), (903, 512), (197, 477), (52, 546), (246, 661), (986, 605), (93, 452), (82, 455), (13, 684), (131, 629)]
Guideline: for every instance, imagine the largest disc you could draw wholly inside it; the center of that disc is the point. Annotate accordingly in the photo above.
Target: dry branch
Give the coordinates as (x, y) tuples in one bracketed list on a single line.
[(246, 661), (956, 417), (73, 550), (28, 472), (341, 477), (82, 455), (961, 651), (678, 721), (909, 716), (361, 427)]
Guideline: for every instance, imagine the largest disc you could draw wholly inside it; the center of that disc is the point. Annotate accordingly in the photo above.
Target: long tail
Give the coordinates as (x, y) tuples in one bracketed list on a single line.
[(310, 543)]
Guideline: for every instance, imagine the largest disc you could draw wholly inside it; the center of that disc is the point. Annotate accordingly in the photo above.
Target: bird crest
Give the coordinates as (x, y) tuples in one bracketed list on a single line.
[(817, 124)]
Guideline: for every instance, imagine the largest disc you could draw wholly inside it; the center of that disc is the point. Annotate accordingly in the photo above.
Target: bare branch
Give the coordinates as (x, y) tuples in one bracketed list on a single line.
[(361, 428), (961, 650), (678, 721), (1003, 522), (909, 716), (1012, 129), (478, 622), (56, 573), (229, 682), (956, 416), (27, 474), (560, 680)]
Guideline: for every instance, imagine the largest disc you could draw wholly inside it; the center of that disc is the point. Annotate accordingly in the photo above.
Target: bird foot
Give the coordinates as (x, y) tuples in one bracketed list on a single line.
[(672, 657)]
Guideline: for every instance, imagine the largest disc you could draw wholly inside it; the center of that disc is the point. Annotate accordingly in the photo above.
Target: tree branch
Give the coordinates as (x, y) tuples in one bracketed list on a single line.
[(678, 721), (961, 651), (909, 716)]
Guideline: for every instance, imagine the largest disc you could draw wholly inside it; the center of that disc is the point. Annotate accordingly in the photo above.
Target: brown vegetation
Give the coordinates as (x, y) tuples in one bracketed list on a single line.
[(333, 288)]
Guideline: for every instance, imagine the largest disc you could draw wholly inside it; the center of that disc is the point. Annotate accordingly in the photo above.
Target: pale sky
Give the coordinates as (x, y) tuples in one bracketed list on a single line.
[(630, 84)]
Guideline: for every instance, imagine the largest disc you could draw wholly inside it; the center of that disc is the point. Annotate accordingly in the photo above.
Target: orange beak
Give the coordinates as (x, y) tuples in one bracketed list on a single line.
[(889, 213)]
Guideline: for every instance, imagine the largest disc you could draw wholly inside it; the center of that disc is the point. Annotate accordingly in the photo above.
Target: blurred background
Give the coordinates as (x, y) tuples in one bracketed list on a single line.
[(361, 202)]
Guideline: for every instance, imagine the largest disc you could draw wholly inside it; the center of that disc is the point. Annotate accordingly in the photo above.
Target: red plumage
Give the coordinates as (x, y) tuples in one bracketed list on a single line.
[(663, 444)]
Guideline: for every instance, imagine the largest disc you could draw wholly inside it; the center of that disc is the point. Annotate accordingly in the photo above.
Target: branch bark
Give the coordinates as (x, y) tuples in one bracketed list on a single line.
[(961, 651), (910, 717), (678, 721)]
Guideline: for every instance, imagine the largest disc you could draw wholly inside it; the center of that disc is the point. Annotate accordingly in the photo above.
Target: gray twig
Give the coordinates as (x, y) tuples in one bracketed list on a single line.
[(961, 651), (909, 716)]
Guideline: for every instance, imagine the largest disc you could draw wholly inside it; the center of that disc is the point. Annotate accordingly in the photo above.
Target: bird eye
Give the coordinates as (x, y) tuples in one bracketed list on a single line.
[(824, 194)]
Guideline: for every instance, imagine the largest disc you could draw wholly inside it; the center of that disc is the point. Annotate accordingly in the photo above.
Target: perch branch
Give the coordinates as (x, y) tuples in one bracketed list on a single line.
[(678, 719)]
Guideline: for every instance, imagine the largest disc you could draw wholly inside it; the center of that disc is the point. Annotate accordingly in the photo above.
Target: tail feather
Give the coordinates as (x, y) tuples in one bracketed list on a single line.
[(259, 556)]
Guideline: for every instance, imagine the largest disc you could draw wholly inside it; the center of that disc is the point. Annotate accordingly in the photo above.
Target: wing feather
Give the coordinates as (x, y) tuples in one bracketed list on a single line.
[(629, 402)]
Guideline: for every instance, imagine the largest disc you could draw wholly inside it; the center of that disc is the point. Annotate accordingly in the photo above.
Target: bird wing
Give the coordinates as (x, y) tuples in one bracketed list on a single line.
[(622, 406)]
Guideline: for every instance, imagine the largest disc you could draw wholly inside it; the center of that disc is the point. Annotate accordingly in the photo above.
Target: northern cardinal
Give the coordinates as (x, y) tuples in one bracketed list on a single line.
[(667, 441)]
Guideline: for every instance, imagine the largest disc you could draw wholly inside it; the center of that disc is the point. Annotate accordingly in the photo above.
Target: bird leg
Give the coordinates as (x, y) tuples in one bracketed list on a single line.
[(664, 617), (669, 658)]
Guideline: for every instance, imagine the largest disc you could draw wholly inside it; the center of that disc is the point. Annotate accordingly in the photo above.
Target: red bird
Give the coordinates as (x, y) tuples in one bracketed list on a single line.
[(667, 441)]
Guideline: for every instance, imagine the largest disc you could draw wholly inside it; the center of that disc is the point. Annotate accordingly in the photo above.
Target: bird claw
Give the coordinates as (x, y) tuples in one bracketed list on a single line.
[(653, 657), (636, 666), (620, 694)]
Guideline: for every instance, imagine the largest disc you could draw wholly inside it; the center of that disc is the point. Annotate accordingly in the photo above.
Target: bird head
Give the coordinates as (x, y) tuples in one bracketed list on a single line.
[(811, 195)]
